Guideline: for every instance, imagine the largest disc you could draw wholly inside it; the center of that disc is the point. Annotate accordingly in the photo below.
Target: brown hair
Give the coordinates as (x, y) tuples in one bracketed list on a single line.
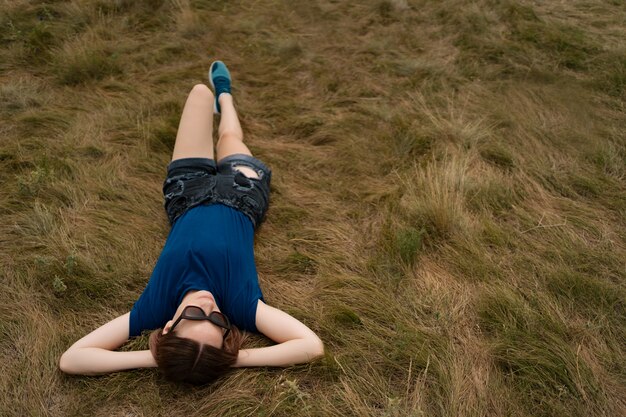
[(185, 360)]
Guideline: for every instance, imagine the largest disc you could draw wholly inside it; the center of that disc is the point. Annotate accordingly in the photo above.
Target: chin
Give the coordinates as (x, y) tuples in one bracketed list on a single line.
[(203, 294)]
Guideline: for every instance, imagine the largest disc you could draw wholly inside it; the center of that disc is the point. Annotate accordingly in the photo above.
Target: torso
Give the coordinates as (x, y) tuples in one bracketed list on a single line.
[(210, 247)]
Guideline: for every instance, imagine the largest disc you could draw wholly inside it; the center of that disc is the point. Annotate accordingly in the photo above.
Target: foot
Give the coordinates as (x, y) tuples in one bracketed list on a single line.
[(219, 77)]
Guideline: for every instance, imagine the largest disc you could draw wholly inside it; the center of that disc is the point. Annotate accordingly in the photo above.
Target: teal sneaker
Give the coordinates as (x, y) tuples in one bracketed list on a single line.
[(219, 77)]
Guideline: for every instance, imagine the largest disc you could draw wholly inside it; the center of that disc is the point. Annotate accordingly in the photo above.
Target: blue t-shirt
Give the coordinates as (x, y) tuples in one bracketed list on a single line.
[(210, 247)]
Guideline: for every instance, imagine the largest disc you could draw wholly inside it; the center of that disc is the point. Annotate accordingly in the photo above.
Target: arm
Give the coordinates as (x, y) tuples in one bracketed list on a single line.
[(296, 342), (94, 354)]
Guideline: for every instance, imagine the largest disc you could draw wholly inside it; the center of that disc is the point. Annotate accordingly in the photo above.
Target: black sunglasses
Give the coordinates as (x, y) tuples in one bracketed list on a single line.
[(196, 313)]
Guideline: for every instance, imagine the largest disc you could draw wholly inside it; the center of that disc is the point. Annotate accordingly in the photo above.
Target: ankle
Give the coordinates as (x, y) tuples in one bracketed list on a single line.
[(224, 98)]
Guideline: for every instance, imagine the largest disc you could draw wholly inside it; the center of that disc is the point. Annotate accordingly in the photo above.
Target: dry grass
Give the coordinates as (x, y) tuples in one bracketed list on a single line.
[(447, 211)]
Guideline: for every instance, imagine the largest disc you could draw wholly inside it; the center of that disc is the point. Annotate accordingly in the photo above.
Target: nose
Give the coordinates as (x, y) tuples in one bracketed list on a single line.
[(207, 305)]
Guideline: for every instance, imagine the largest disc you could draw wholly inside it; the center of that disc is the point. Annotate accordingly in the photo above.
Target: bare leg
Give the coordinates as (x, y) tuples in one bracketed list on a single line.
[(230, 134), (194, 138)]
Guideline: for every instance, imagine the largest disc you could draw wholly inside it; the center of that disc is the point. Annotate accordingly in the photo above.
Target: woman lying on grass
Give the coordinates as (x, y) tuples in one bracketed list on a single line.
[(204, 287)]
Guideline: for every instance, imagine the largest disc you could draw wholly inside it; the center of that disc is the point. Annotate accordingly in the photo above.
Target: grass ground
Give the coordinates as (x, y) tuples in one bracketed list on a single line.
[(447, 212)]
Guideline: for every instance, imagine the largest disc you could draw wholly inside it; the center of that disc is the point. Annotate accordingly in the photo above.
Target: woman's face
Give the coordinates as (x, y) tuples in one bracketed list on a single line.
[(202, 331)]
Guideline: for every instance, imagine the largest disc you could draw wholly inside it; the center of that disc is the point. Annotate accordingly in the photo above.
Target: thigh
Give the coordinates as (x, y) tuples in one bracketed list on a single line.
[(194, 138), (228, 146)]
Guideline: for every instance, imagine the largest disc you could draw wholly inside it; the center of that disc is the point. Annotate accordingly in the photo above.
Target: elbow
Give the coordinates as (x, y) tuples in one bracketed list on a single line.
[(317, 348), (65, 363)]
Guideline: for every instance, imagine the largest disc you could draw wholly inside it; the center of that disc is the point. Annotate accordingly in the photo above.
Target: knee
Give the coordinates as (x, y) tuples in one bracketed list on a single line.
[(202, 91), (229, 136)]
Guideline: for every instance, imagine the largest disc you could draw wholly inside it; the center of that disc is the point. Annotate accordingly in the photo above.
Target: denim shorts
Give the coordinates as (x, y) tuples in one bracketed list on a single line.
[(194, 181)]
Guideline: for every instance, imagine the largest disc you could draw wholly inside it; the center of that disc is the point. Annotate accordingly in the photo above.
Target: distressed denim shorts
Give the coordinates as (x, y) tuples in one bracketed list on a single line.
[(194, 181)]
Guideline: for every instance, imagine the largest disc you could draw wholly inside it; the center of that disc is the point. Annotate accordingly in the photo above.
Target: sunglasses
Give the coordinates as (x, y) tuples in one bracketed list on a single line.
[(196, 313)]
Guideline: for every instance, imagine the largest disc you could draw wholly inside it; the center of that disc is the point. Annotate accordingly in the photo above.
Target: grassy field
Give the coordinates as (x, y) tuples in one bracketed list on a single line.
[(448, 207)]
